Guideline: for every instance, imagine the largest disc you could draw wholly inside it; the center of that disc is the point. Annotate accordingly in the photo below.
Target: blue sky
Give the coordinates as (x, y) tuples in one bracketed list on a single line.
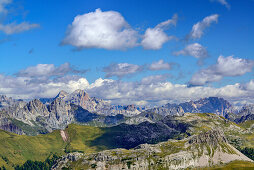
[(230, 34)]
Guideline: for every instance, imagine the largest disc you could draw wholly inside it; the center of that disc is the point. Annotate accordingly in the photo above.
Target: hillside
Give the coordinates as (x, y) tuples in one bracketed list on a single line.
[(204, 150), (87, 139), (16, 149)]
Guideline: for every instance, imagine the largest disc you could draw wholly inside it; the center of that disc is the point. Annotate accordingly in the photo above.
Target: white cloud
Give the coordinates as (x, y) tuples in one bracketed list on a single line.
[(225, 66), (121, 69), (150, 90), (19, 87), (14, 28), (109, 30), (249, 85), (196, 50), (98, 29), (157, 92), (155, 78), (160, 65), (3, 3), (48, 70), (199, 28), (155, 37), (125, 69), (223, 2)]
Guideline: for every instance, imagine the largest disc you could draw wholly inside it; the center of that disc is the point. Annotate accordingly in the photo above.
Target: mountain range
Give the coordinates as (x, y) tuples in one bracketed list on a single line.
[(39, 116)]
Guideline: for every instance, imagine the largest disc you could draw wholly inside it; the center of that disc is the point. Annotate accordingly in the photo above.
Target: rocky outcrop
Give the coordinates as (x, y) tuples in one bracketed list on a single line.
[(6, 101), (7, 125), (195, 152), (212, 137)]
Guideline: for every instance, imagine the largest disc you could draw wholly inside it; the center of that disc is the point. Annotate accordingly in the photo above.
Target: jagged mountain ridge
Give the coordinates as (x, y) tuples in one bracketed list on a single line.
[(44, 117), (205, 105), (99, 106)]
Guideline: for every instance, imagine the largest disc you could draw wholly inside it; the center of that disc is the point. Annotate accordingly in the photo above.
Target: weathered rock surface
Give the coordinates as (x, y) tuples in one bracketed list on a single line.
[(64, 109), (203, 150)]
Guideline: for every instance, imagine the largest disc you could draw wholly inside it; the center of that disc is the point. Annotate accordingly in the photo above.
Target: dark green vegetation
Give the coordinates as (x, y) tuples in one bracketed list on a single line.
[(130, 136), (39, 165), (249, 152)]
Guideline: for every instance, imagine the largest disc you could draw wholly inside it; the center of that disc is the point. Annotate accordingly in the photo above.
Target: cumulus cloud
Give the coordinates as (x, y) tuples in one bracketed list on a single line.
[(18, 87), (223, 2), (155, 78), (151, 90), (14, 28), (155, 37), (99, 29), (155, 92), (196, 50), (121, 69), (199, 28), (48, 70), (42, 80), (3, 3), (225, 67), (160, 65)]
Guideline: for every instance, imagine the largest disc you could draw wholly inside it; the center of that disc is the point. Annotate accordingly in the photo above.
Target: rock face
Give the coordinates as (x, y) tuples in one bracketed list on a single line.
[(206, 105), (247, 110), (45, 115), (99, 106), (246, 113), (212, 137), (6, 101), (203, 150), (57, 113)]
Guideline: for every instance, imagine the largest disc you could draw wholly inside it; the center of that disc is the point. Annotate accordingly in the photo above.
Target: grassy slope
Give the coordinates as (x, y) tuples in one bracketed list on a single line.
[(235, 133), (239, 165), (247, 124), (19, 148)]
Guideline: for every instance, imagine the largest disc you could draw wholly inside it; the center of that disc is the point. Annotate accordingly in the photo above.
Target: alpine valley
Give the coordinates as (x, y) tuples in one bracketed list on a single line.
[(76, 131)]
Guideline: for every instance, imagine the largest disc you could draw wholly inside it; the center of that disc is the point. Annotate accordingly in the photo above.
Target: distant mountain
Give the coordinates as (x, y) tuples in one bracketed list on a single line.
[(46, 114), (246, 113), (6, 101), (215, 105), (99, 106), (43, 116)]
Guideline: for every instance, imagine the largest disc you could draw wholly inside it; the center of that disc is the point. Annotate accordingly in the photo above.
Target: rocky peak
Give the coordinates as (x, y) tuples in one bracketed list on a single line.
[(247, 109), (212, 137), (5, 101), (36, 107), (4, 98), (77, 96), (62, 94), (81, 93)]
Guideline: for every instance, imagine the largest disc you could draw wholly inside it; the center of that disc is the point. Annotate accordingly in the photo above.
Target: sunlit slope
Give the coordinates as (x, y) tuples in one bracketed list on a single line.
[(16, 149)]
